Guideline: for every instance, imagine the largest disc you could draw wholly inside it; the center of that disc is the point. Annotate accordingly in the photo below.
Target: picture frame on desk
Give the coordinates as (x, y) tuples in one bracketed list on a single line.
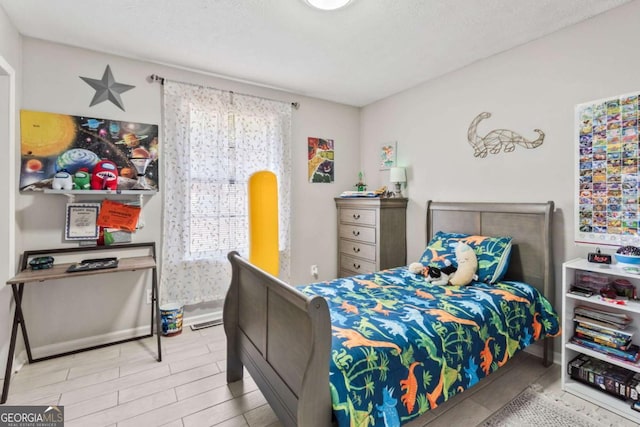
[(81, 221)]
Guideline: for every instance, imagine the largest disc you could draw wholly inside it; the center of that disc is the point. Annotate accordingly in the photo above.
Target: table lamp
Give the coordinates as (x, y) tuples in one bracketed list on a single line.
[(398, 176)]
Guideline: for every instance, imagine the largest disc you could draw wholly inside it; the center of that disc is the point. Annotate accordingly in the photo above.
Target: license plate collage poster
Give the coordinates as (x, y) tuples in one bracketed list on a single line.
[(608, 174)]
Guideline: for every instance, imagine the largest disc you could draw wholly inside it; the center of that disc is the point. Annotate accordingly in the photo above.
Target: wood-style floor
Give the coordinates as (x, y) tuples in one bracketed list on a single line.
[(124, 385)]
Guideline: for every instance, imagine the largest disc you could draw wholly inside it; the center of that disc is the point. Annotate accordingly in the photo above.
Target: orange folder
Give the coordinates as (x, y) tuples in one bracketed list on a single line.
[(118, 215)]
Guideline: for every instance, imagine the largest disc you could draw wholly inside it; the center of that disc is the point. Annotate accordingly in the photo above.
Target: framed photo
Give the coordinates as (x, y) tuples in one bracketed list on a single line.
[(81, 221), (388, 156), (321, 160)]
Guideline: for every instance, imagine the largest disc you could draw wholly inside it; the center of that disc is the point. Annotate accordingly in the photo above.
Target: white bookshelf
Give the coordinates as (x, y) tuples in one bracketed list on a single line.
[(570, 350)]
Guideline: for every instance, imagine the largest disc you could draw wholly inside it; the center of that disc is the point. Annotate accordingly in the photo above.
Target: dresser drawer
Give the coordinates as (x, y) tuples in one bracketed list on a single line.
[(360, 250), (362, 234), (358, 266), (358, 216)]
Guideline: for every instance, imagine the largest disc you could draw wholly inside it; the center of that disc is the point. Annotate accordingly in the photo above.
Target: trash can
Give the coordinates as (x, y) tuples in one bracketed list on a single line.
[(171, 318)]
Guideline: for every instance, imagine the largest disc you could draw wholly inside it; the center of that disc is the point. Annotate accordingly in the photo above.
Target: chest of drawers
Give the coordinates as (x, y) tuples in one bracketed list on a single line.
[(372, 234)]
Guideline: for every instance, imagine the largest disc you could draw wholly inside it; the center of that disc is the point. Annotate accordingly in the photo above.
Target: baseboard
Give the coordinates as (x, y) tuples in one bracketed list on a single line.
[(537, 350), (114, 336), (95, 340), (201, 318), (21, 359)]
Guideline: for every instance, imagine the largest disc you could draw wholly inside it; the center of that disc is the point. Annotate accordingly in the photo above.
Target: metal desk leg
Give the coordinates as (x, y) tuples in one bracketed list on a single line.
[(12, 349), (18, 318), (17, 295), (156, 300)]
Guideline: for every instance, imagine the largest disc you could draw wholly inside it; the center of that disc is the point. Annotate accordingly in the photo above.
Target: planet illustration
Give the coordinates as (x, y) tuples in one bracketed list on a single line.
[(52, 142), (131, 139), (93, 123), (140, 152), (33, 165), (76, 158), (127, 173), (114, 129), (45, 134)]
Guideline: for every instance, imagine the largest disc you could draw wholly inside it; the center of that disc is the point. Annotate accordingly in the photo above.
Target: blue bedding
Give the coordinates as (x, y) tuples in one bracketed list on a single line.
[(402, 346)]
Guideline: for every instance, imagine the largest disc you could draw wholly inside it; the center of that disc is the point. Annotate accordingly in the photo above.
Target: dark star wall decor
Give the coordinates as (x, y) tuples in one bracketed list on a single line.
[(107, 89)]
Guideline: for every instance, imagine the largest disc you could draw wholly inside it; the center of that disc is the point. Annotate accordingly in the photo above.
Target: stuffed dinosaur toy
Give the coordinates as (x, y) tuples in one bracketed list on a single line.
[(449, 274)]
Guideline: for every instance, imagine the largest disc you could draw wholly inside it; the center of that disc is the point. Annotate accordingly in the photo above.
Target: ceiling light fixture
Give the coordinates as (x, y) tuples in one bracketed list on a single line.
[(327, 4)]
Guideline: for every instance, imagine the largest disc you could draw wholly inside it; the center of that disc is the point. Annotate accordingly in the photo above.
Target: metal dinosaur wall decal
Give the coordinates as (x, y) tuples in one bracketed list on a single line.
[(498, 139)]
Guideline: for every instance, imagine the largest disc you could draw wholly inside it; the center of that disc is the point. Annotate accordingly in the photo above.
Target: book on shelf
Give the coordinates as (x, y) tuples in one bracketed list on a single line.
[(597, 326), (615, 319), (604, 339), (621, 329), (631, 354)]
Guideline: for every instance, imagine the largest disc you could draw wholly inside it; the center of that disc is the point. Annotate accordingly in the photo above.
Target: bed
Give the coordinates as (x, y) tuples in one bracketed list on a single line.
[(322, 354)]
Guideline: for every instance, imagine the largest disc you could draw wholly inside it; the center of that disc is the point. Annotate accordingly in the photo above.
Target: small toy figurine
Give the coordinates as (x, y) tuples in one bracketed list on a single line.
[(105, 176), (62, 180), (360, 185), (82, 179)]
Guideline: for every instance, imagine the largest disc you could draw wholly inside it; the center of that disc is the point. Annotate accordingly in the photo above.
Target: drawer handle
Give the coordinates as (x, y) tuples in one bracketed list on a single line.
[(356, 233), (356, 250), (356, 266), (356, 216)]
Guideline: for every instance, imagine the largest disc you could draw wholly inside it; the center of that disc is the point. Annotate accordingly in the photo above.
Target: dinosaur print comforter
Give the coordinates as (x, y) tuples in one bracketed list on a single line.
[(402, 346)]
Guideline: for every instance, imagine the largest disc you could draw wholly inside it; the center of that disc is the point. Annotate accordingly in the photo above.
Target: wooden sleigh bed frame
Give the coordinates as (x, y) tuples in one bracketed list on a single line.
[(283, 337)]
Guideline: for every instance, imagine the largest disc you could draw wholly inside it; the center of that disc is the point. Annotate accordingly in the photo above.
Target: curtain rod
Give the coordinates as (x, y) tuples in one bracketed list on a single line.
[(157, 78)]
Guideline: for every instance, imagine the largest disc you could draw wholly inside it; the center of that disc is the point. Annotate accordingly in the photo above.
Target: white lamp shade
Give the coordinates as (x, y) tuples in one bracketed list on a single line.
[(328, 4), (397, 175)]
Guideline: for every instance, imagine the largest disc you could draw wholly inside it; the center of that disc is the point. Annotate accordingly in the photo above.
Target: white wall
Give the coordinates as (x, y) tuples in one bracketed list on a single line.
[(75, 309), (534, 86)]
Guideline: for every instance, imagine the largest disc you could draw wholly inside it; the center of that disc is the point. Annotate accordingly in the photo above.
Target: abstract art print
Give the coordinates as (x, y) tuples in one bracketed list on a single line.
[(58, 143), (388, 156), (320, 159)]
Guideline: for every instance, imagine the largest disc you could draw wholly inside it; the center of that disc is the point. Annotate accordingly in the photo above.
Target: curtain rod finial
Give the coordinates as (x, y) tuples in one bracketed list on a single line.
[(156, 78)]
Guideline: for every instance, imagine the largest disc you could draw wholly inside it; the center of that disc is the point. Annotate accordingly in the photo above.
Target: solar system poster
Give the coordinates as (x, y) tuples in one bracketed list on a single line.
[(52, 142), (607, 172)]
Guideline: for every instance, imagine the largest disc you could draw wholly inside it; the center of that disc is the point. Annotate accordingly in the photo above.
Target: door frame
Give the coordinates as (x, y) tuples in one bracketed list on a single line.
[(10, 174)]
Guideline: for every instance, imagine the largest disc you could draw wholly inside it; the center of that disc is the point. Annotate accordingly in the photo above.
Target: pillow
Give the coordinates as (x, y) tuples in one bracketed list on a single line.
[(493, 253)]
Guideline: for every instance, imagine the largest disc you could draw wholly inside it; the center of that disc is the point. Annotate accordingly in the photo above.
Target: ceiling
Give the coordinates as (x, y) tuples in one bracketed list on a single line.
[(357, 55)]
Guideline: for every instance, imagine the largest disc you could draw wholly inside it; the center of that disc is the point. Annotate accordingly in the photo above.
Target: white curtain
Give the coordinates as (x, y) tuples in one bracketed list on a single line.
[(213, 142)]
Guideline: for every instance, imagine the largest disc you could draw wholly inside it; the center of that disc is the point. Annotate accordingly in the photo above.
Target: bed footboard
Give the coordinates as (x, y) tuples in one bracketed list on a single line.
[(283, 338)]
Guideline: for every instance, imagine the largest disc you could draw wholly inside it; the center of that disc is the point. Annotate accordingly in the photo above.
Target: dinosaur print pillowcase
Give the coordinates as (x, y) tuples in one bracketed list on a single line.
[(493, 253)]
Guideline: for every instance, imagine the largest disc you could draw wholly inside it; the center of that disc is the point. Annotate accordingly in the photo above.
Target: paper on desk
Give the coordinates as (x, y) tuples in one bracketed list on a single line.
[(118, 215)]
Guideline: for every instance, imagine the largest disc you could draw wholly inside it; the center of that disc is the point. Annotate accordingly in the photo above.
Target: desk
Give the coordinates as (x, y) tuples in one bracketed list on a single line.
[(58, 271)]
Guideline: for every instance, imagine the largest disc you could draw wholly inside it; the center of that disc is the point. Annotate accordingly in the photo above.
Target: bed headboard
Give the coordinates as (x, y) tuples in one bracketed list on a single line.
[(529, 224)]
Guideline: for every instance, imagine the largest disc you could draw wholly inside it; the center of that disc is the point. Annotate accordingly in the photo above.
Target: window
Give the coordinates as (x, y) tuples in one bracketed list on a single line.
[(214, 142)]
